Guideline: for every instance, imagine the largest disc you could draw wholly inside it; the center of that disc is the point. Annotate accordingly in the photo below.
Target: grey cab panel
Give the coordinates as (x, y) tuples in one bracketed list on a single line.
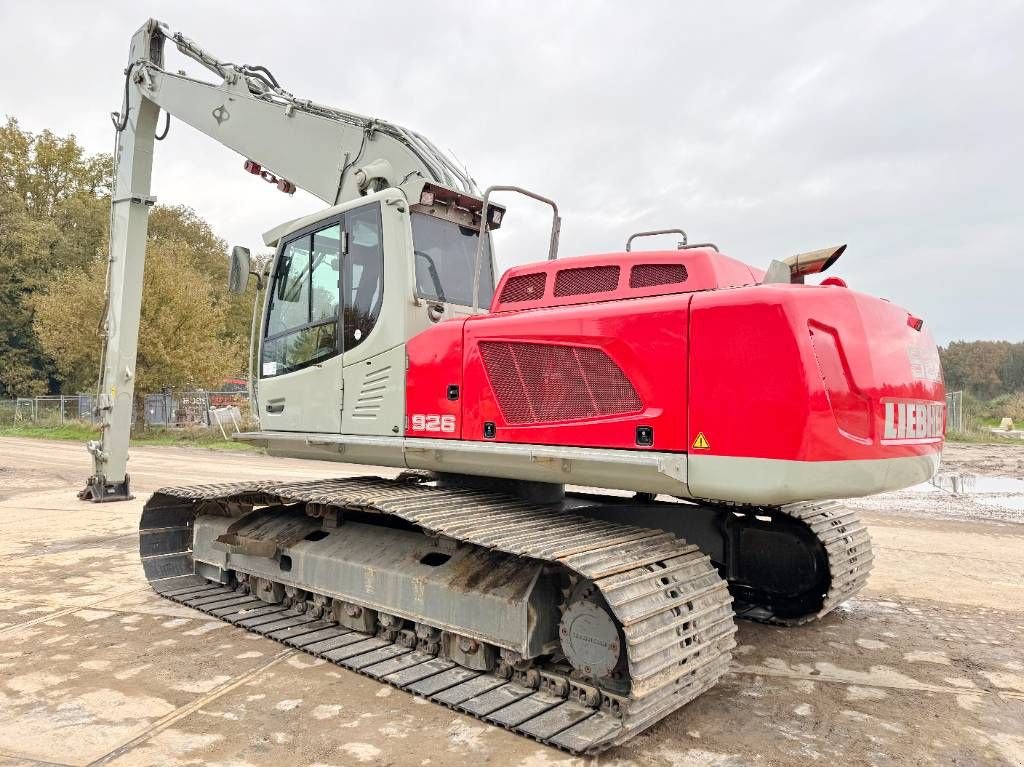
[(324, 298), (348, 288)]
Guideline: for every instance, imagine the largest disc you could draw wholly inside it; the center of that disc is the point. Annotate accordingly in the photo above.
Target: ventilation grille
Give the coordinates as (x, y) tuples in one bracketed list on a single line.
[(539, 383), (649, 275), (371, 393), (586, 279), (523, 287)]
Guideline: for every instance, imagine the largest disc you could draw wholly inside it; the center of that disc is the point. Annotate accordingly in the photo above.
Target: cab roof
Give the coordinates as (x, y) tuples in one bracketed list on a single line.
[(613, 276)]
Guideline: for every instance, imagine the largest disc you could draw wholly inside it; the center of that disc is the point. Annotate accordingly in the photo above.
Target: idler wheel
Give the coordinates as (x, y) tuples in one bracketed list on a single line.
[(590, 639)]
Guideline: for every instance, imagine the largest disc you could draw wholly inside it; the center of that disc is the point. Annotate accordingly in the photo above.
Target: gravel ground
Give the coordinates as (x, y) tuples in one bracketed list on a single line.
[(925, 667)]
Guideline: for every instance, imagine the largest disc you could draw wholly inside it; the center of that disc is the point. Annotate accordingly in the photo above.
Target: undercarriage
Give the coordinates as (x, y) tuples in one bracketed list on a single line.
[(576, 620)]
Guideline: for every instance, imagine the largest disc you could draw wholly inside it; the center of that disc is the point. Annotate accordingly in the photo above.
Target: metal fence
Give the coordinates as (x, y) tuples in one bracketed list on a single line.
[(191, 408), (170, 409), (54, 410), (955, 412)]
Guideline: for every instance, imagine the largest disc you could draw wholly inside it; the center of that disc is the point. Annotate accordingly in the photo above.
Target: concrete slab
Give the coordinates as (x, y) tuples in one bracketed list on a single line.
[(74, 575), (80, 684), (924, 668), (322, 714)]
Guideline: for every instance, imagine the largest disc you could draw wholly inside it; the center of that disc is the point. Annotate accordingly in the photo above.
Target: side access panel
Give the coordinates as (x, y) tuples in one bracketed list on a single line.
[(608, 375), (374, 394), (434, 393)]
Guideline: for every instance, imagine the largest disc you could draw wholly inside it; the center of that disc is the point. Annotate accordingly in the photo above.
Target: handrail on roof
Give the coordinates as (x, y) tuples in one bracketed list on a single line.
[(485, 221)]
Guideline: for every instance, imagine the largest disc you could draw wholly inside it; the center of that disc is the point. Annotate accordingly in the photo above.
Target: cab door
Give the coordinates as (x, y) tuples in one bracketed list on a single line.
[(301, 384)]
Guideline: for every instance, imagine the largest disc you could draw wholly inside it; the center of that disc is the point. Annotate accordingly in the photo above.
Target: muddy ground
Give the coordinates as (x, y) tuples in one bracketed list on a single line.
[(925, 667)]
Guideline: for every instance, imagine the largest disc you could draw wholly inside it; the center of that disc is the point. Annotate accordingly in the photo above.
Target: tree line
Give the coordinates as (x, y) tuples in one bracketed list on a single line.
[(984, 369), (54, 237)]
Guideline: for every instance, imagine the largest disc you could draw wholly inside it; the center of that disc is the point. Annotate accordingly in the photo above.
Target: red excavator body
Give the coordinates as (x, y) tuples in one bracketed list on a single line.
[(776, 392), (719, 405)]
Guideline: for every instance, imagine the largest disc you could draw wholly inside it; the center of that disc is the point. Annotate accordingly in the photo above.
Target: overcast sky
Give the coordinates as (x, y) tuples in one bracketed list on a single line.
[(768, 128)]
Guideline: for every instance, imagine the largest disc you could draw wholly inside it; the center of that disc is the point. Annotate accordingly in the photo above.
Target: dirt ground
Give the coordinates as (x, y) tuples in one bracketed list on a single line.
[(925, 667)]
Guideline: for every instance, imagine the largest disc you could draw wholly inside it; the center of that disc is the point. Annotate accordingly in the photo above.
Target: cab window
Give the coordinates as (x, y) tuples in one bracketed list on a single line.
[(445, 254), (363, 277), (302, 321)]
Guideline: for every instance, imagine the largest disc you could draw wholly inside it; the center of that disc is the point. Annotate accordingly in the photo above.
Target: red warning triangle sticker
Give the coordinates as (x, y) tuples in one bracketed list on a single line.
[(701, 443)]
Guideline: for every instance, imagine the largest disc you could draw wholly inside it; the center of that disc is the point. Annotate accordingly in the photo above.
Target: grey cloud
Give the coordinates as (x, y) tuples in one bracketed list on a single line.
[(768, 128)]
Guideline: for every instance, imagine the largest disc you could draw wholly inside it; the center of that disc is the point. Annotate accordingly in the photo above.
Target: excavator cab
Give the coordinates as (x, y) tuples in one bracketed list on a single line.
[(349, 286)]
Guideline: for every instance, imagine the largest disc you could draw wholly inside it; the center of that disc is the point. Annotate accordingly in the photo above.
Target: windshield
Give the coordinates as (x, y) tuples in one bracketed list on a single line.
[(445, 259)]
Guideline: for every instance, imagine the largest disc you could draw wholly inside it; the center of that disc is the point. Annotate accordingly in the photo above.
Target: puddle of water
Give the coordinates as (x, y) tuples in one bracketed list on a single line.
[(957, 495), (970, 484)]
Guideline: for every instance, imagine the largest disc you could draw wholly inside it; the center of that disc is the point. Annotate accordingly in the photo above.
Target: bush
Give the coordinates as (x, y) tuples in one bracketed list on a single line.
[(1005, 405)]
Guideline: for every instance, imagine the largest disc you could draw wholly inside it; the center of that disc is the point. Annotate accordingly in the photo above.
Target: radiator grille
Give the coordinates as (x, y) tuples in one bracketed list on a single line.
[(523, 287), (649, 275), (539, 383), (586, 279)]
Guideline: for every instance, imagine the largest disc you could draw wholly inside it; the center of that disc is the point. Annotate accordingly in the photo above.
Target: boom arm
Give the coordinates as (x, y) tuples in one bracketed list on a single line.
[(333, 154)]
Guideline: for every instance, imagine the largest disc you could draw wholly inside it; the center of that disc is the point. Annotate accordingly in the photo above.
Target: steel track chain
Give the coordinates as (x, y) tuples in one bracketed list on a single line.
[(674, 610), (847, 546)]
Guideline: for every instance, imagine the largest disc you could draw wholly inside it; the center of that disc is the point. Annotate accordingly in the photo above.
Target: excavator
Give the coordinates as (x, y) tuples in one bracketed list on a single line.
[(602, 461)]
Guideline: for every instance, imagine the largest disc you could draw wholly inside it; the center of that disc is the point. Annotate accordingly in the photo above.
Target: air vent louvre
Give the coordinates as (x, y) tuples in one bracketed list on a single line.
[(540, 383), (586, 279), (523, 287), (371, 393), (650, 275)]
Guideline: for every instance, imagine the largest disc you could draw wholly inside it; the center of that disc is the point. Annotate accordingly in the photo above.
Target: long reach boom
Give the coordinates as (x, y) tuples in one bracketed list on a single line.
[(333, 154)]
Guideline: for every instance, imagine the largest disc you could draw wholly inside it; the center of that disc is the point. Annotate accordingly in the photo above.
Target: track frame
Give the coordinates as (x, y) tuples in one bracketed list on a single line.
[(673, 608)]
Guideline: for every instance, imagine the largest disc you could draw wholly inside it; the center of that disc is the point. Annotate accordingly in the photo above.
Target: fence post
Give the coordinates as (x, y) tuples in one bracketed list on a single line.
[(167, 402), (61, 409)]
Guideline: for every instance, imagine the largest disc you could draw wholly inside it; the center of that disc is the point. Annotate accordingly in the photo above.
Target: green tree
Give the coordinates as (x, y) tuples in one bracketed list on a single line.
[(23, 369), (976, 366), (181, 338), (1012, 371), (54, 202), (54, 229), (207, 253), (181, 225), (46, 171)]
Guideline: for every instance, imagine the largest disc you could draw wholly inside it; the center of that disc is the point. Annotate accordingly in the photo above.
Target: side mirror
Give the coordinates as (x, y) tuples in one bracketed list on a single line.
[(238, 274)]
